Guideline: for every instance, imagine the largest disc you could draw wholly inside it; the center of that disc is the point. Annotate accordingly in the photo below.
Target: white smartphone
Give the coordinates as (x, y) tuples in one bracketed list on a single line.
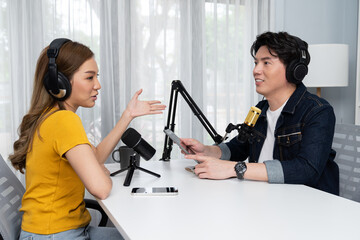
[(175, 139), (155, 191)]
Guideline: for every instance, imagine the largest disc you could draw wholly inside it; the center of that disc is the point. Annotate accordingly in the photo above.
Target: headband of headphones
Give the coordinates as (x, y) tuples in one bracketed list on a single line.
[(303, 50)]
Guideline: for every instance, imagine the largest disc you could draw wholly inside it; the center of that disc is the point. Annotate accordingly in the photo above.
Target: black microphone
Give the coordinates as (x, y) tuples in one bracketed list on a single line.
[(133, 140), (245, 129)]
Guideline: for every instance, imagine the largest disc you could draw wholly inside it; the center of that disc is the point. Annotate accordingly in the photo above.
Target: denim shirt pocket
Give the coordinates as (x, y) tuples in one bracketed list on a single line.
[(289, 142)]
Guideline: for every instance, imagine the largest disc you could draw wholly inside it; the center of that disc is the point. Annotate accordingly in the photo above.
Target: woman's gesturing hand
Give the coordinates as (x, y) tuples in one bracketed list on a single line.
[(138, 108)]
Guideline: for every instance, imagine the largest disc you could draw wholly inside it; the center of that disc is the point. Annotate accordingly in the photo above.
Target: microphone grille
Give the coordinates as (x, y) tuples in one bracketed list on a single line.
[(252, 116), (131, 137)]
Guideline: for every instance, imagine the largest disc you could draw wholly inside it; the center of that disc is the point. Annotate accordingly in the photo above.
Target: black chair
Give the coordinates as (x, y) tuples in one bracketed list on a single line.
[(93, 204), (11, 192)]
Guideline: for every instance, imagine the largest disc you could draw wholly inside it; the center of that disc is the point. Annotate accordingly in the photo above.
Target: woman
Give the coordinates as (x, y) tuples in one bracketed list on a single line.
[(54, 149)]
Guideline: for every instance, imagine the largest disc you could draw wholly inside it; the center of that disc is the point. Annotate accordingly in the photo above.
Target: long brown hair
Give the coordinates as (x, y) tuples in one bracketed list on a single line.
[(71, 56)]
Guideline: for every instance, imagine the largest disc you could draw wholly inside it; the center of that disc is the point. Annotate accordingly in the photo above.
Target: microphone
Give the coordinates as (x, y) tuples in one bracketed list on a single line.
[(134, 140), (245, 129)]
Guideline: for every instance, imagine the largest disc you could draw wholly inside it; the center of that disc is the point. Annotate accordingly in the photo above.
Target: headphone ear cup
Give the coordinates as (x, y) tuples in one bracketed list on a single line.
[(63, 83), (296, 71)]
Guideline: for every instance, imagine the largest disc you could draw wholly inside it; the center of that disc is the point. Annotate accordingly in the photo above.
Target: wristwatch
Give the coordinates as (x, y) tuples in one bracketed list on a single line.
[(240, 169)]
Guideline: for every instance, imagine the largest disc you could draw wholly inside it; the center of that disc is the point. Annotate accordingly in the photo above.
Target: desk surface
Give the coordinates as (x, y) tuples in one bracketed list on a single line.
[(225, 209)]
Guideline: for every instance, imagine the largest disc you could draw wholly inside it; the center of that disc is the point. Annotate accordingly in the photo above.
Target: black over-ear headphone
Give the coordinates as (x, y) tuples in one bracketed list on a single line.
[(297, 69), (56, 83)]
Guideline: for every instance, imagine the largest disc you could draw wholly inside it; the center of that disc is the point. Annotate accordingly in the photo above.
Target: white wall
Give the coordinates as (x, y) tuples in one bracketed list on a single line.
[(325, 21)]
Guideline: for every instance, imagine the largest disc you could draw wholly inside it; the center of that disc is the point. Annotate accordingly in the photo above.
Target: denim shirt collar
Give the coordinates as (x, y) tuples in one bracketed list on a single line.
[(295, 99)]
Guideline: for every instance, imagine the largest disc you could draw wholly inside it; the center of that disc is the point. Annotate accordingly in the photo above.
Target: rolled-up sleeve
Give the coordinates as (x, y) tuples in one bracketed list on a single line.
[(274, 171), (225, 151)]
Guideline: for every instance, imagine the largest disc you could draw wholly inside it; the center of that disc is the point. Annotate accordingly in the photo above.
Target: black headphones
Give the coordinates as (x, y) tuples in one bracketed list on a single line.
[(297, 69), (56, 83)]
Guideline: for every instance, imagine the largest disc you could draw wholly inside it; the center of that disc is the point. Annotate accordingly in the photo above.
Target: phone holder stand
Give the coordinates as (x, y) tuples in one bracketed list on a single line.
[(131, 168)]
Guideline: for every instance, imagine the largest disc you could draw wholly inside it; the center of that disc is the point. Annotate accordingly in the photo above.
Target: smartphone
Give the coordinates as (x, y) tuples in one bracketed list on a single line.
[(155, 191), (175, 139), (190, 169)]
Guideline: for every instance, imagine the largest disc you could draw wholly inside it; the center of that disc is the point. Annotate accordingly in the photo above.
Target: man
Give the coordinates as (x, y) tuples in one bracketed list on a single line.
[(292, 138)]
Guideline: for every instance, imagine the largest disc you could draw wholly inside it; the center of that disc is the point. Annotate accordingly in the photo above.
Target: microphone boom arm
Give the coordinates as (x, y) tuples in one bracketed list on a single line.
[(176, 87)]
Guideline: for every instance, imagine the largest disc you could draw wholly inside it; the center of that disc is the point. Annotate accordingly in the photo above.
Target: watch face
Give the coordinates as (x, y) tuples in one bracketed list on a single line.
[(240, 169)]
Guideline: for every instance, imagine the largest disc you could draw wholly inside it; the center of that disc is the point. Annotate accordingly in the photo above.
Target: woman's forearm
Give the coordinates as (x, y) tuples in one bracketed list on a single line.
[(107, 145)]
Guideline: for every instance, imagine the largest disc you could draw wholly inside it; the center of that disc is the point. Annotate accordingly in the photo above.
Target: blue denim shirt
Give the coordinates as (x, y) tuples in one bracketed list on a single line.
[(303, 139)]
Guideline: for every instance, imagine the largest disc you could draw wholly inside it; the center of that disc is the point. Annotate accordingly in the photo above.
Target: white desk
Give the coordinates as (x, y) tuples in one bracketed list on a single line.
[(226, 209)]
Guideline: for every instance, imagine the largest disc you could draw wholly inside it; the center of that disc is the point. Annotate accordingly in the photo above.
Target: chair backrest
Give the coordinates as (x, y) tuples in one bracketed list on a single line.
[(11, 192), (346, 143)]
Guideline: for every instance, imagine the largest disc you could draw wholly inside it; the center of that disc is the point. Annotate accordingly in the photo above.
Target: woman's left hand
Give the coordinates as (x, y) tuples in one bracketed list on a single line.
[(138, 108)]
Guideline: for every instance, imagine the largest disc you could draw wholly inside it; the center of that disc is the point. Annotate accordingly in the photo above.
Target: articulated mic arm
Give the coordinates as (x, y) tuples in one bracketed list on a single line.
[(176, 87)]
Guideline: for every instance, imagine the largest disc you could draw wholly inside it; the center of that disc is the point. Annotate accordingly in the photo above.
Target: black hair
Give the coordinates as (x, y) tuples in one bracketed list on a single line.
[(282, 45)]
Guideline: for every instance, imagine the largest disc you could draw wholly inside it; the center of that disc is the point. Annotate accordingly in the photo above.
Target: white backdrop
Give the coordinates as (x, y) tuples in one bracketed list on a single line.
[(138, 44)]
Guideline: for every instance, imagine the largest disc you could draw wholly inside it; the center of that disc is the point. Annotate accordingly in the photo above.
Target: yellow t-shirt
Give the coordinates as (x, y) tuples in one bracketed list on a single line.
[(54, 197)]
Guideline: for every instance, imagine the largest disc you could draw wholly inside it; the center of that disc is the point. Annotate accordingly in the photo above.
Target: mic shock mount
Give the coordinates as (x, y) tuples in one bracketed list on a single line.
[(131, 168), (176, 88), (245, 132)]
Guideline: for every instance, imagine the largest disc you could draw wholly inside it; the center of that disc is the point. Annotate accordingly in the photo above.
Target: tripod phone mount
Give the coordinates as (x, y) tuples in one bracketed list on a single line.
[(131, 168)]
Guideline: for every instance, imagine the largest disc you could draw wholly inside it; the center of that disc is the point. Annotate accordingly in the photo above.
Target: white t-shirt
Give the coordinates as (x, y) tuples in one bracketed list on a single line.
[(267, 150)]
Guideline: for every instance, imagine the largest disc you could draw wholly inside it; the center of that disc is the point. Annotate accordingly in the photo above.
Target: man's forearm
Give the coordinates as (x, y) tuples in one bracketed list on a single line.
[(213, 151)]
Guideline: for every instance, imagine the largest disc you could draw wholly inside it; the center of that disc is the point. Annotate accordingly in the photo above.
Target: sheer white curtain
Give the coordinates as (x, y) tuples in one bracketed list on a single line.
[(205, 44), (138, 44), (26, 27)]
